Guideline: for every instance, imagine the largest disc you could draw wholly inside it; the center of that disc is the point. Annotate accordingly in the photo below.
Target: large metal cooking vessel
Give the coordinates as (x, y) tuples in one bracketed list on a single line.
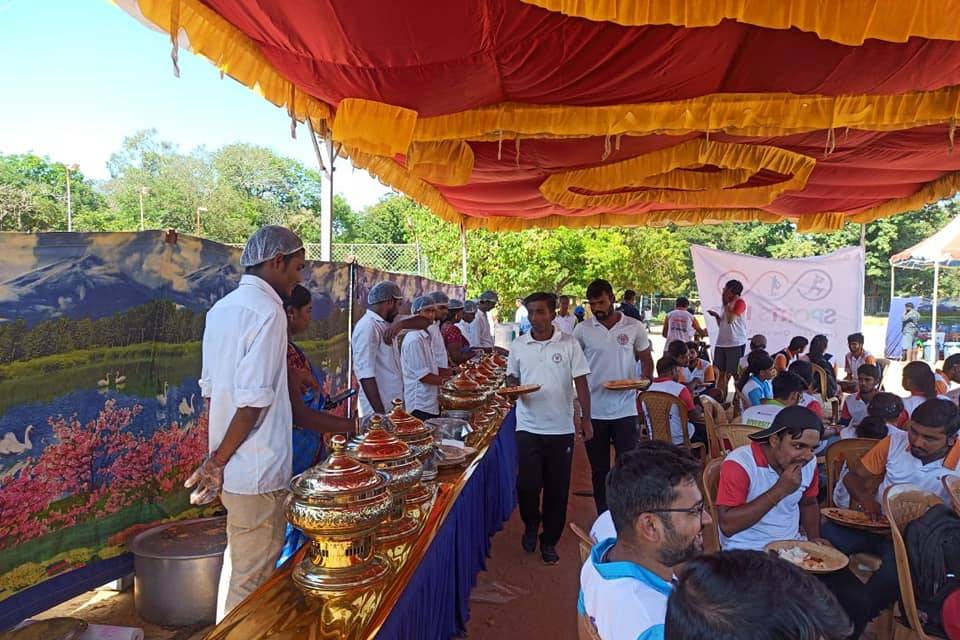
[(177, 568)]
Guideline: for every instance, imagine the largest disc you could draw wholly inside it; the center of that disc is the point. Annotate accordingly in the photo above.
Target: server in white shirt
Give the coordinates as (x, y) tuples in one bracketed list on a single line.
[(657, 511), (468, 323), (487, 301), (421, 376), (441, 306), (545, 422), (376, 358), (565, 320), (613, 343), (244, 379)]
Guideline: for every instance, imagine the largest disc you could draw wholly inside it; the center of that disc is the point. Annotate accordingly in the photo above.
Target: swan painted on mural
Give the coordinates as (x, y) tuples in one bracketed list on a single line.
[(10, 446), (162, 397), (105, 382), (187, 409), (119, 379)]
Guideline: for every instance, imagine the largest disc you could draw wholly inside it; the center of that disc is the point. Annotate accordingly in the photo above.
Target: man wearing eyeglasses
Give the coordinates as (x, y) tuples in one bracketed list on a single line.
[(658, 515)]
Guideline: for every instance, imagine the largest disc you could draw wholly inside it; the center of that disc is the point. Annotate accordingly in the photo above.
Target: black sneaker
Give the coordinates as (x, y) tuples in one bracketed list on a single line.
[(529, 542), (549, 554)]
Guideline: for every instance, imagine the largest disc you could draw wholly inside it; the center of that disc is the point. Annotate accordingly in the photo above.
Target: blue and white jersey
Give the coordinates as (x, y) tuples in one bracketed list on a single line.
[(622, 599)]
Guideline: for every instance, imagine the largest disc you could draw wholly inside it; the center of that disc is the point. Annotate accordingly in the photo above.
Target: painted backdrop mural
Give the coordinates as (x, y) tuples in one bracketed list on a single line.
[(100, 411)]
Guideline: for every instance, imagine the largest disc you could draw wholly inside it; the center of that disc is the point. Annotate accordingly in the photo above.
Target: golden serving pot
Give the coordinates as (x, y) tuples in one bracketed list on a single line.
[(339, 504), (417, 434), (384, 451)]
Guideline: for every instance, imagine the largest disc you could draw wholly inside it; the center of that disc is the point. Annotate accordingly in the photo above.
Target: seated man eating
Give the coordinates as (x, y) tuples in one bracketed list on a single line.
[(787, 390), (768, 488), (658, 514), (922, 455)]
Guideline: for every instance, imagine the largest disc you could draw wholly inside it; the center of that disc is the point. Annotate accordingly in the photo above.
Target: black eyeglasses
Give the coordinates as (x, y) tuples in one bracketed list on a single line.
[(695, 510)]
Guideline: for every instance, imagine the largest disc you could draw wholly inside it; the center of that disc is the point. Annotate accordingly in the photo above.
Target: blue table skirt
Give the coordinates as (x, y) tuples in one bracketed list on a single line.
[(436, 601)]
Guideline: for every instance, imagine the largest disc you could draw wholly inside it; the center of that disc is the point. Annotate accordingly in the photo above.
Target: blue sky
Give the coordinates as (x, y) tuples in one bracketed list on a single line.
[(80, 75)]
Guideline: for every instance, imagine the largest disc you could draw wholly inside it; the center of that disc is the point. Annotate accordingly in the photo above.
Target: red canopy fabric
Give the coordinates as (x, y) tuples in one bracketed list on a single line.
[(488, 111)]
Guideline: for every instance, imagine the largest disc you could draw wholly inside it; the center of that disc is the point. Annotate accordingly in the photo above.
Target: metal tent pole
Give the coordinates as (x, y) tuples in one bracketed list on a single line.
[(933, 321), (326, 199)]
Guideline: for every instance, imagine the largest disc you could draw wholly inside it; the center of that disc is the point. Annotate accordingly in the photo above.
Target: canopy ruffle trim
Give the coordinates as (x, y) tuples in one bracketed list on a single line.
[(849, 22)]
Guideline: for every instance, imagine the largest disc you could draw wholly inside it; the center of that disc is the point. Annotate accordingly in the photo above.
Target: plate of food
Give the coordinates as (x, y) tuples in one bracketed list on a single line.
[(449, 455), (851, 518), (809, 556), (626, 385), (519, 390)]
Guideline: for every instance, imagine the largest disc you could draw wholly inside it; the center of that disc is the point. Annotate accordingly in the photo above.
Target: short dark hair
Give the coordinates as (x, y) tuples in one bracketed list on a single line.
[(599, 287), (645, 479), (873, 427), (734, 286), (751, 595), (629, 294), (667, 365), (909, 305), (758, 361), (682, 302), (542, 296), (299, 298), (803, 369), (938, 413), (798, 343), (787, 383), (563, 297), (677, 349), (693, 346), (885, 405), (951, 362), (870, 370), (855, 337)]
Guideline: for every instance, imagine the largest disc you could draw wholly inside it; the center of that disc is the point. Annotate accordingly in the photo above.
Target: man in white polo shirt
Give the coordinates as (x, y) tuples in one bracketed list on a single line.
[(244, 379), (922, 455), (545, 424), (565, 320), (768, 488), (613, 344), (376, 363), (657, 510)]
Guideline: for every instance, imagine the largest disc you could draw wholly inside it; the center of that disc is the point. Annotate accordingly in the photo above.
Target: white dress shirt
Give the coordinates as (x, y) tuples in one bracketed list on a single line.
[(469, 331), (611, 354), (245, 365), (438, 345), (483, 333), (553, 364), (417, 361), (373, 358)]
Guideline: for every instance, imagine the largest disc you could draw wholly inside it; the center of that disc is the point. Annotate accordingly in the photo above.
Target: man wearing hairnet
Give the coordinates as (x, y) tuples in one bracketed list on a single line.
[(244, 380), (441, 303), (468, 324), (376, 356), (421, 376)]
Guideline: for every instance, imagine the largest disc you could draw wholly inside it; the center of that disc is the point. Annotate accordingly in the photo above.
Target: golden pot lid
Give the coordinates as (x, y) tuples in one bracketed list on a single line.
[(338, 474), (378, 445), (460, 384), (405, 425)]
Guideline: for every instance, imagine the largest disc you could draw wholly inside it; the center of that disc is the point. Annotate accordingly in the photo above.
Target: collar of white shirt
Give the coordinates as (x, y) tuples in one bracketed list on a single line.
[(557, 334), (248, 279)]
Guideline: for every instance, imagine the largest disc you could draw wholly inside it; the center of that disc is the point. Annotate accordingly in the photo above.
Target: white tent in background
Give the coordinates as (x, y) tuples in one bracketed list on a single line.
[(941, 250)]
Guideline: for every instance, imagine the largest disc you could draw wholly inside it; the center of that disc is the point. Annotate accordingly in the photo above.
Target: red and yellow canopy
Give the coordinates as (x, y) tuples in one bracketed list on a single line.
[(508, 114)]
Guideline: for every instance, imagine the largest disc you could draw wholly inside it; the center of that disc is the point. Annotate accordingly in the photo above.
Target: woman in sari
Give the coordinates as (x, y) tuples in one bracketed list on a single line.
[(306, 385), (458, 347)]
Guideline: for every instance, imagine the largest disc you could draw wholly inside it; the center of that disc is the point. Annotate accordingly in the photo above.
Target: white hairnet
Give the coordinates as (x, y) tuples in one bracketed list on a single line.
[(455, 304), (267, 243), (439, 297), (383, 291), (489, 296), (420, 303), (469, 306)]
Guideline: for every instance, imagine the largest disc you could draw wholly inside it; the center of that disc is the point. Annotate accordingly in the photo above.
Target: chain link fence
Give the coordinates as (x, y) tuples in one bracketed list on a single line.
[(396, 258)]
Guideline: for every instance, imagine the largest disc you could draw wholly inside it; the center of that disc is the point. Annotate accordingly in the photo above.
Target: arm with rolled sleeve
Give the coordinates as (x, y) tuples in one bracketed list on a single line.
[(259, 371)]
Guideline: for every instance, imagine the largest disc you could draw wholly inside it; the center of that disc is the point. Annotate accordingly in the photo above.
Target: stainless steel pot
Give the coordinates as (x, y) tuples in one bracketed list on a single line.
[(177, 568)]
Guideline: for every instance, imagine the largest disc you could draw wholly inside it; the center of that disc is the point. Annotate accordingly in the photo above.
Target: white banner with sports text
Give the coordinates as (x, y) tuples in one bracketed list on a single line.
[(786, 298)]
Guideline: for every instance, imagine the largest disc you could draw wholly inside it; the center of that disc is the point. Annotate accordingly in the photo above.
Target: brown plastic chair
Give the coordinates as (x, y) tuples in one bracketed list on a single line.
[(710, 483), (738, 402), (883, 364), (904, 503), (714, 416), (656, 407), (820, 374), (584, 540), (952, 485), (732, 436), (840, 452)]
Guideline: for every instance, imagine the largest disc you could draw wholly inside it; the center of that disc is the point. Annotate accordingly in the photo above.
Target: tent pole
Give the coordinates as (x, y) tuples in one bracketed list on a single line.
[(326, 198), (463, 253), (863, 236), (893, 275), (933, 321)]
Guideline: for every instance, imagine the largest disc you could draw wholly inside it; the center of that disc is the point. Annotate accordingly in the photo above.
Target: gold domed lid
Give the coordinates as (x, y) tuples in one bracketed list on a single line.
[(461, 384), (338, 474), (405, 425), (378, 445)]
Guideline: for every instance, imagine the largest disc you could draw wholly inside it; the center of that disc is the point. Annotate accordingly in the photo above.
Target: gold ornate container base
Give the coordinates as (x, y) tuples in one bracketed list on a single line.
[(396, 530), (419, 500), (321, 584)]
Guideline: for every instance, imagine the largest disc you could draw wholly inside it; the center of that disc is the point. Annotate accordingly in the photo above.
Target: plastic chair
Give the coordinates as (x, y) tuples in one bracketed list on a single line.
[(710, 482), (584, 540), (657, 407), (952, 485), (843, 451), (714, 416), (820, 374), (732, 436), (904, 503), (882, 365)]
